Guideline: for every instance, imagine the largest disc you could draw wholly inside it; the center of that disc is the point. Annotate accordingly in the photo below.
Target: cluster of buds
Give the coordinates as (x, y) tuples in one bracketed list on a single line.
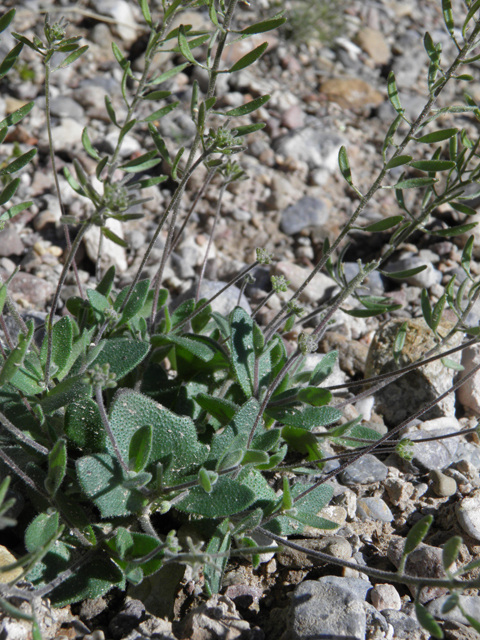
[(100, 376)]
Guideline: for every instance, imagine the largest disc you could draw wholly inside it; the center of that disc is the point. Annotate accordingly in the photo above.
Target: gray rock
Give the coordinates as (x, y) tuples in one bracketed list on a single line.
[(404, 626), (10, 243), (469, 452), (424, 279), (468, 514), (434, 455), (377, 626), (330, 607), (469, 392), (315, 145), (130, 617), (122, 13), (444, 486), (65, 107), (404, 396), (373, 509), (364, 471), (470, 604), (306, 212), (335, 546), (375, 281)]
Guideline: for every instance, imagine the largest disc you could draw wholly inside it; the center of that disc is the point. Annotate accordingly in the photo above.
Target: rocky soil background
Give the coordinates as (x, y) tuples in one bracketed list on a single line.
[(325, 93)]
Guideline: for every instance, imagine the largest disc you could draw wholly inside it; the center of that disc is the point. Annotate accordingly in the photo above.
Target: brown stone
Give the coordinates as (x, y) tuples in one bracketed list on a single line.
[(351, 93), (373, 43)]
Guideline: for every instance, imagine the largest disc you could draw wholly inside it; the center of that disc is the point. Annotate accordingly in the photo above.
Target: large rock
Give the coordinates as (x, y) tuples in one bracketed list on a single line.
[(330, 607), (111, 253), (306, 212), (469, 392), (406, 395), (315, 145)]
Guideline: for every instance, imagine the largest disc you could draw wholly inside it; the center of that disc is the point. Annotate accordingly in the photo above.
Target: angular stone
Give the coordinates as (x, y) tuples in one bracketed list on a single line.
[(373, 43), (10, 243), (373, 509), (351, 93), (385, 596), (468, 514), (366, 470), (401, 398), (315, 145)]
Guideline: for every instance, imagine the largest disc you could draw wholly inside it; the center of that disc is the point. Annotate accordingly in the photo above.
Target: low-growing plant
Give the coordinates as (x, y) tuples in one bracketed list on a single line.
[(128, 409)]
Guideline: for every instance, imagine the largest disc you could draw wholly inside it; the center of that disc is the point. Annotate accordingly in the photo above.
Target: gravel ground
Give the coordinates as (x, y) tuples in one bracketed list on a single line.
[(324, 95)]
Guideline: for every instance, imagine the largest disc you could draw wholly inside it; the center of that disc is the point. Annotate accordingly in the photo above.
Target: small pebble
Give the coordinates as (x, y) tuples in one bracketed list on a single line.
[(373, 509), (385, 596), (443, 485)]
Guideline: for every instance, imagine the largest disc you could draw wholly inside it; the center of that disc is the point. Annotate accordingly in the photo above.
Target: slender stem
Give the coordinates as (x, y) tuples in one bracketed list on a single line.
[(21, 474), (210, 240), (54, 170), (108, 429), (20, 435)]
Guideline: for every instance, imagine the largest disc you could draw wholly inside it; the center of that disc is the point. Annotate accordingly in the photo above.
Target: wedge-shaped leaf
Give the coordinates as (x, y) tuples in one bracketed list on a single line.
[(18, 163), (462, 208), (172, 435), (98, 302), (438, 136), (407, 273), (184, 46), (135, 301), (309, 505), (87, 145), (83, 426), (123, 355), (344, 165), (427, 621), (246, 129), (266, 441), (355, 431), (182, 312), (414, 183), (226, 498), (57, 466), (242, 349), (101, 478), (17, 115), (383, 225), (193, 348), (249, 58), (67, 391), (9, 191), (132, 546), (311, 520), (221, 409), (157, 95), (393, 93), (145, 11), (6, 19), (10, 59), (314, 396), (248, 107), (308, 417), (140, 448), (41, 530), (433, 165), (324, 368), (370, 313), (156, 115), (398, 161), (15, 358), (62, 342), (454, 231), (450, 551), (219, 543)]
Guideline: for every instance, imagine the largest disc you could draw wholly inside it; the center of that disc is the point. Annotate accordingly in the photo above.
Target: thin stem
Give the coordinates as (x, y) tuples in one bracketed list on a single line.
[(108, 429), (210, 239), (20, 435), (21, 474)]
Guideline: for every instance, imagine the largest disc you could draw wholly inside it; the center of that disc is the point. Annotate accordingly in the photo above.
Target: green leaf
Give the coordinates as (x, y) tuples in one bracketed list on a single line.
[(101, 478), (111, 235), (454, 231), (414, 183), (473, 622), (142, 163), (437, 312), (344, 165), (308, 417), (9, 191), (249, 58), (451, 364), (111, 111), (93, 153), (15, 359), (417, 534), (402, 275), (438, 136), (41, 530), (433, 165), (145, 11), (393, 93), (157, 95), (219, 408), (226, 498), (57, 466), (18, 163), (156, 115), (314, 396), (140, 448), (450, 551), (253, 105), (17, 115), (169, 74), (62, 342), (123, 355), (467, 254), (383, 225), (10, 59), (262, 27), (450, 603), (219, 543), (6, 19), (71, 58), (84, 427), (400, 340), (398, 161), (135, 302), (69, 390), (370, 313), (427, 621), (184, 46), (462, 208), (474, 6), (324, 368), (242, 349), (247, 129), (448, 16), (426, 308)]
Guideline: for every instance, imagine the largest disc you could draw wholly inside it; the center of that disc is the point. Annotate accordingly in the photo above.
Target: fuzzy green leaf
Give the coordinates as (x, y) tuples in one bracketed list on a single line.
[(71, 58), (57, 466), (169, 74), (156, 115), (262, 27), (393, 93), (226, 498), (427, 621), (438, 136), (314, 396), (140, 448), (18, 163), (142, 163), (414, 183), (6, 19), (10, 59), (402, 275), (249, 58), (417, 534), (83, 426), (433, 165), (383, 225), (462, 208), (253, 105), (344, 165), (454, 231), (242, 348), (17, 115), (324, 368), (398, 162), (450, 551)]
